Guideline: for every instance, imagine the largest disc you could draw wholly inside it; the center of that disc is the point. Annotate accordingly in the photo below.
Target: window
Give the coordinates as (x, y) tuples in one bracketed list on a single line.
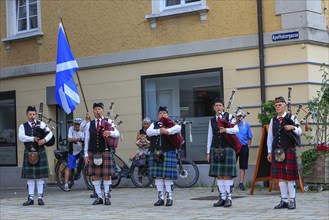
[(23, 20), (183, 3), (167, 8), (8, 140), (26, 15), (187, 95)]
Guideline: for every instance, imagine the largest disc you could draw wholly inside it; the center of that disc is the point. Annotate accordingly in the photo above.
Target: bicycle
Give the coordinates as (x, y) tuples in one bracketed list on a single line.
[(137, 174), (61, 166), (188, 172)]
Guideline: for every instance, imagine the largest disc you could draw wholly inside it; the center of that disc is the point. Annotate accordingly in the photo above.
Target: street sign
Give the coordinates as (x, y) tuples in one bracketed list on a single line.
[(285, 36)]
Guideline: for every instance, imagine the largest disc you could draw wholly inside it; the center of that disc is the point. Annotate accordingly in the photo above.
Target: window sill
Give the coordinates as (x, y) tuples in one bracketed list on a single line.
[(202, 10), (35, 34)]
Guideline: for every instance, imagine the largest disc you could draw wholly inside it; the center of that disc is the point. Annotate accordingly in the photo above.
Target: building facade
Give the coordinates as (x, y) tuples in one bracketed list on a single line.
[(143, 54)]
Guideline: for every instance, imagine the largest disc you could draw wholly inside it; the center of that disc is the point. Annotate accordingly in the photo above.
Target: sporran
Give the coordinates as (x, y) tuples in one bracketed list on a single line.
[(219, 154), (279, 155), (98, 159), (33, 157), (158, 155)]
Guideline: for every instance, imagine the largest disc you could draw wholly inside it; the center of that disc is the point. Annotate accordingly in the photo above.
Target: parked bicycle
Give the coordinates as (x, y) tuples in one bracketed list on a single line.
[(76, 174), (188, 172), (137, 174)]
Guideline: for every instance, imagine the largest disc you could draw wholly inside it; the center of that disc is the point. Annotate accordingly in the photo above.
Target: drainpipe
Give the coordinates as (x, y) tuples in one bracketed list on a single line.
[(261, 51)]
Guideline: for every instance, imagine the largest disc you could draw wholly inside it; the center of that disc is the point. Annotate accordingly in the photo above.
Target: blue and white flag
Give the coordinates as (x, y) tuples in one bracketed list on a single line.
[(66, 91)]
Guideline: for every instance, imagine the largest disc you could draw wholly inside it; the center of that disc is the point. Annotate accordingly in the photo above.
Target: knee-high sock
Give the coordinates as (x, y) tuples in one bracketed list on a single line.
[(169, 187), (221, 188), (97, 186), (159, 184), (283, 190), (292, 189), (40, 186), (228, 184), (31, 187), (107, 185)]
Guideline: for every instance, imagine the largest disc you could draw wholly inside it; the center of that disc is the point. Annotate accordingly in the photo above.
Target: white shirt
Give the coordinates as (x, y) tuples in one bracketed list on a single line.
[(156, 132), (298, 131), (114, 134), (233, 130), (77, 147), (25, 138)]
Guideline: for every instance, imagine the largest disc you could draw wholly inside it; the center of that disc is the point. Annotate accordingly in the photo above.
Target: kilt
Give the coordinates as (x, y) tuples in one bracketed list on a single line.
[(167, 169), (37, 171), (225, 168), (288, 169), (107, 168)]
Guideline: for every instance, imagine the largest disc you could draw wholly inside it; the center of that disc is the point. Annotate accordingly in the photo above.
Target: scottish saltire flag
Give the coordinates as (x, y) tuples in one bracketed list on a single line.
[(66, 91)]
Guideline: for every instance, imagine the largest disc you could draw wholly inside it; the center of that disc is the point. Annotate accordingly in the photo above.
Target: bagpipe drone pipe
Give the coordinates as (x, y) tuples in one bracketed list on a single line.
[(224, 122), (41, 133)]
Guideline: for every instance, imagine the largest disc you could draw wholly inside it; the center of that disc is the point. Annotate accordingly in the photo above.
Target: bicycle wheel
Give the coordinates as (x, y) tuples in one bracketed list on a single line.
[(117, 178), (87, 179), (139, 176), (188, 175), (60, 173)]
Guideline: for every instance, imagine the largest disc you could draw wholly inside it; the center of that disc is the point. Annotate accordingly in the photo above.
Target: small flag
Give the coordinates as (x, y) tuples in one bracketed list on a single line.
[(66, 91)]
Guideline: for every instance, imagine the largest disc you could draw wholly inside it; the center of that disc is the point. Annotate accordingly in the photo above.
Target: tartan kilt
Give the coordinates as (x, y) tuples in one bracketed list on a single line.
[(288, 169), (107, 168), (37, 171), (167, 169), (225, 168)]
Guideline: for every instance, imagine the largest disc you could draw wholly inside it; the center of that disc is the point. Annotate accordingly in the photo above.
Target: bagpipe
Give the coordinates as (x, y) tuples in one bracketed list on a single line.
[(225, 122), (107, 126), (177, 140), (41, 133), (290, 119)]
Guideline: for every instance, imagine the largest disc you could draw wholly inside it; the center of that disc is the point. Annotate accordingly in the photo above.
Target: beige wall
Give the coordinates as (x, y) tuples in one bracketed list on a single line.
[(100, 27), (122, 85)]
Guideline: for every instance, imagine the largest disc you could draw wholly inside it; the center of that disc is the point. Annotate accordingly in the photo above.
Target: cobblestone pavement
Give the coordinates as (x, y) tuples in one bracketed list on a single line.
[(137, 203)]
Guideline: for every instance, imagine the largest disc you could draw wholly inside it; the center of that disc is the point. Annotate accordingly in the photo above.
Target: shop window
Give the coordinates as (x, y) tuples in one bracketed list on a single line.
[(8, 131), (188, 96)]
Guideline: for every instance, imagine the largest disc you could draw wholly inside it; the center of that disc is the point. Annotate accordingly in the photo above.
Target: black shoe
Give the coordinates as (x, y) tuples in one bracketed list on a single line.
[(160, 202), (282, 205), (98, 201), (241, 187), (220, 202), (28, 202), (169, 202), (292, 205), (40, 202), (107, 201), (228, 203), (94, 195)]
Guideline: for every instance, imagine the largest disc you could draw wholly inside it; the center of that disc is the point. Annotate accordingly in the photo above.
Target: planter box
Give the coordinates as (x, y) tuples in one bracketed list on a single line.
[(320, 171)]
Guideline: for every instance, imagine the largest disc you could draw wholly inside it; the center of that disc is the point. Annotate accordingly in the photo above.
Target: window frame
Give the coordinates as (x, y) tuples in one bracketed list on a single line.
[(12, 95), (159, 10), (185, 151), (181, 5), (12, 24), (27, 16)]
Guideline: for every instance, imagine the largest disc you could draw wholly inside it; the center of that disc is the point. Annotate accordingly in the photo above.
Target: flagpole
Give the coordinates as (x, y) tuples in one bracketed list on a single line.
[(83, 95)]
